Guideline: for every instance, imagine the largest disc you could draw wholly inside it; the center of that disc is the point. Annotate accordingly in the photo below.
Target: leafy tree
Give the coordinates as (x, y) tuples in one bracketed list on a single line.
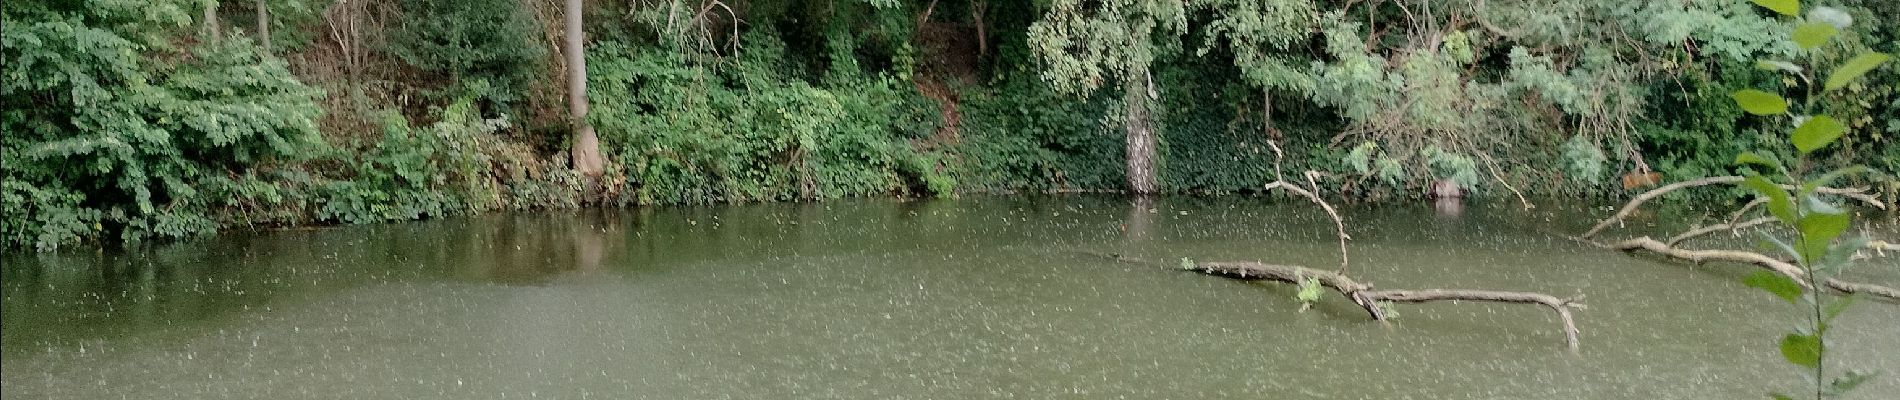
[(1088, 45), (1263, 36)]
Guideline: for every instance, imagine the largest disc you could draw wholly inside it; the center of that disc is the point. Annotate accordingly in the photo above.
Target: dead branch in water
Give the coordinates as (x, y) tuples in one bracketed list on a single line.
[(1737, 215), (1773, 264), (1669, 248), (1732, 227), (1366, 298), (1362, 294), (1652, 194), (1330, 212), (1279, 182), (1881, 247)]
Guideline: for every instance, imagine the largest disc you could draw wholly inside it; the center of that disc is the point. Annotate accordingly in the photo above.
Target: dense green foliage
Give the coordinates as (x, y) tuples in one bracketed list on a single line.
[(689, 133), (489, 49), (100, 136), (116, 129), (125, 120)]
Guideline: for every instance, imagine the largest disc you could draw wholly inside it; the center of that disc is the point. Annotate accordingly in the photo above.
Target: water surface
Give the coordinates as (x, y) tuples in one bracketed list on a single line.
[(982, 297)]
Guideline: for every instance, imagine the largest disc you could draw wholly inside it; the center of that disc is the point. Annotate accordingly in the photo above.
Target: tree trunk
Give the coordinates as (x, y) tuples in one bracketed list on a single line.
[(1141, 137), (925, 17), (977, 9), (263, 25), (1266, 115), (586, 145), (211, 22)]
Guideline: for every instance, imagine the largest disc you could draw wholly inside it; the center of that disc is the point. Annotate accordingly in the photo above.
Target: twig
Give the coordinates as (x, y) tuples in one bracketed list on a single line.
[(1492, 166), (1737, 215)]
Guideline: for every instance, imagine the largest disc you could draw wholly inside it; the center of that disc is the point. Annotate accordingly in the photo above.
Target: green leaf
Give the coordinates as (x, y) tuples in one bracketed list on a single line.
[(1816, 205), (1771, 242), (1802, 350), (1813, 34), (1750, 157), (1774, 283), (1854, 68), (1784, 7), (1817, 230), (1759, 103), (1835, 308), (1778, 65), (1847, 382), (1832, 16), (1779, 396), (1817, 132), (1823, 226), (1309, 290), (1778, 202), (1829, 177), (1840, 256)]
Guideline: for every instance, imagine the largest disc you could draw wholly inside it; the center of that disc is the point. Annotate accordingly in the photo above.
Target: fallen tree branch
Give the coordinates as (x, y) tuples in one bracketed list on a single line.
[(1883, 246), (1560, 306), (1731, 226), (1890, 294), (1782, 267), (1366, 298), (1652, 194), (1330, 212), (1699, 256), (1737, 215)]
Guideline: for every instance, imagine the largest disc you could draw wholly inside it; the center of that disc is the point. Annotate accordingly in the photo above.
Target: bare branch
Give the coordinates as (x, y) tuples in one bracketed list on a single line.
[(1652, 194), (1731, 227), (1737, 215), (1782, 267), (1362, 294), (1492, 166), (1330, 212)]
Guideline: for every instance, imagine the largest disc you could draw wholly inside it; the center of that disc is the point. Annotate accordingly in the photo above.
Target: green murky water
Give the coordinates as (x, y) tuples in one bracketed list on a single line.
[(877, 299)]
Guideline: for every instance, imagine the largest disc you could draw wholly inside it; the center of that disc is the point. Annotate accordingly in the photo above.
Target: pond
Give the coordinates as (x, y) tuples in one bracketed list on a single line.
[(980, 297)]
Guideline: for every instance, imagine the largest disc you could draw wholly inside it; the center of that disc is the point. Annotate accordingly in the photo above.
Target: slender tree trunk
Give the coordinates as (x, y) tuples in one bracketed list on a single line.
[(925, 17), (211, 22), (1266, 115), (977, 9), (263, 25), (586, 150), (1141, 137)]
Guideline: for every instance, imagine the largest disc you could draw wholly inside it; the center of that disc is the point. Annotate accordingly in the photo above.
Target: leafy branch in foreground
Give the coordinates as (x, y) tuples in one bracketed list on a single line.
[(1817, 245)]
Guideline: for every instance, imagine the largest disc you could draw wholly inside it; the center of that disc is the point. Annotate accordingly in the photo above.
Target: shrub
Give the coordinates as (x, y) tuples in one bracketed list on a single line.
[(115, 131)]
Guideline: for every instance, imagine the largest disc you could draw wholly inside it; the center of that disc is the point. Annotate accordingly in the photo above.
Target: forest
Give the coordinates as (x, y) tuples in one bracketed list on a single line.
[(128, 121)]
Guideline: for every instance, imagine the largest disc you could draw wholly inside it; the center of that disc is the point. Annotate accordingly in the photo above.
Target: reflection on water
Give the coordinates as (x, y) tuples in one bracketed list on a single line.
[(1140, 222), (1452, 207), (530, 250), (975, 298)]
